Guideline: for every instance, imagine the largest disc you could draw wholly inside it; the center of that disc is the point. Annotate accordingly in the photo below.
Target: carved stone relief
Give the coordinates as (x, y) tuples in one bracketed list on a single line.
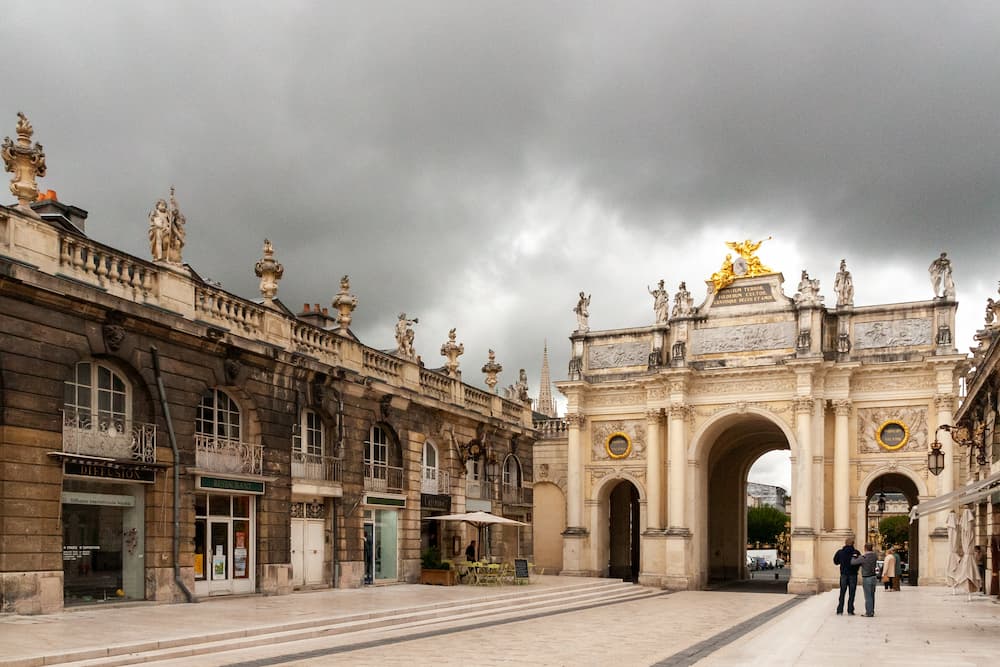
[(609, 399), (748, 386), (870, 419), (744, 338), (618, 355), (891, 381), (892, 333), (635, 429)]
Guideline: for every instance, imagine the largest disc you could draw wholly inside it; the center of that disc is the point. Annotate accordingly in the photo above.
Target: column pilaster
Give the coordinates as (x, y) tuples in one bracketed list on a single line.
[(945, 404), (841, 466), (574, 474), (677, 452), (802, 496), (654, 471)]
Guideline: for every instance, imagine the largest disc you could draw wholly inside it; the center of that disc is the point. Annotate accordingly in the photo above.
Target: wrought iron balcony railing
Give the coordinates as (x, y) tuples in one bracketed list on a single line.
[(478, 489), (516, 495), (108, 437), (435, 481), (382, 477), (317, 467), (218, 454)]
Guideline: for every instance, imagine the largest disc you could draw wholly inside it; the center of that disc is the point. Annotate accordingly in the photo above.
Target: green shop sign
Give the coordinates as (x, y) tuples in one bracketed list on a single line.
[(222, 484)]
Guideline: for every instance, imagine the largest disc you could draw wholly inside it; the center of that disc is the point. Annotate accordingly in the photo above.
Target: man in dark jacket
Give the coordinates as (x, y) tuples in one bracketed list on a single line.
[(848, 575), (868, 563)]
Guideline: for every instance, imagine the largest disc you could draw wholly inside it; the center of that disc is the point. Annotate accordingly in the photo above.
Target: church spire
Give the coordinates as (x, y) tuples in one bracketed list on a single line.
[(545, 404)]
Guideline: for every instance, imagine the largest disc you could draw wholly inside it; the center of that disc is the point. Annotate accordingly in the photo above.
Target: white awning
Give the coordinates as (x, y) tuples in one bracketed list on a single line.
[(969, 493)]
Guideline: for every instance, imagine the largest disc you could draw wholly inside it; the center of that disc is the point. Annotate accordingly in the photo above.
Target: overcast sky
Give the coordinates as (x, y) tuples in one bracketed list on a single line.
[(476, 164)]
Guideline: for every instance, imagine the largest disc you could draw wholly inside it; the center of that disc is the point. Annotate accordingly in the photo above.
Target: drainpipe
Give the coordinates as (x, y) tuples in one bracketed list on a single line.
[(333, 519), (176, 466)]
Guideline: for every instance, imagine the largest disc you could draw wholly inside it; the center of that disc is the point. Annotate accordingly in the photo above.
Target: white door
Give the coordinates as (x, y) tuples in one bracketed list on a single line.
[(298, 562), (313, 551)]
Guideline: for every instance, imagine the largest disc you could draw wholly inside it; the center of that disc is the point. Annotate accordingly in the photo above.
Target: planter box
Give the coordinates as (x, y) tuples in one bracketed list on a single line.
[(438, 577)]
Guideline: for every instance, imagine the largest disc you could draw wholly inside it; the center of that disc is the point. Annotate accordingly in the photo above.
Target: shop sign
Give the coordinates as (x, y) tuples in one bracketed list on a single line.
[(223, 484), (389, 502), (103, 499), (108, 470), (429, 501)]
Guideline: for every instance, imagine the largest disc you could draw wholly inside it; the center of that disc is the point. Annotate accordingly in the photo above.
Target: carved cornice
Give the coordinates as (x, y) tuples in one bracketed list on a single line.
[(842, 408)]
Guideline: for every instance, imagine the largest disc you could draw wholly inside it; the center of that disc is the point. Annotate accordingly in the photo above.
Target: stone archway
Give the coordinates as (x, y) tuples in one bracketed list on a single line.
[(726, 450), (895, 481), (623, 531)]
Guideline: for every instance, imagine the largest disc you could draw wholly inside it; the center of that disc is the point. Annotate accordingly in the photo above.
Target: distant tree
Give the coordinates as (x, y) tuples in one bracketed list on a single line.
[(894, 529), (764, 524)]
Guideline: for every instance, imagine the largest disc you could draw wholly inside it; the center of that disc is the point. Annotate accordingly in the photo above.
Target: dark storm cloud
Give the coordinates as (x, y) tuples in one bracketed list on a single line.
[(402, 142)]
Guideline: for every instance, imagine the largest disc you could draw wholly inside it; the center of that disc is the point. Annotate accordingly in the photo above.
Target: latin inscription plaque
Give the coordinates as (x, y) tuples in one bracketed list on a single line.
[(743, 295)]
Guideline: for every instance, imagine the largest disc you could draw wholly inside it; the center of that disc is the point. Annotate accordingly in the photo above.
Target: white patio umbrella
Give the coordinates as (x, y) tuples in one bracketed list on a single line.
[(954, 549), (478, 520), (967, 573)]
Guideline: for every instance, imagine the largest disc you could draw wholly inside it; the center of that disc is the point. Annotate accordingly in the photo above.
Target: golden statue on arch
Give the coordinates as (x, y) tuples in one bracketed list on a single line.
[(746, 264)]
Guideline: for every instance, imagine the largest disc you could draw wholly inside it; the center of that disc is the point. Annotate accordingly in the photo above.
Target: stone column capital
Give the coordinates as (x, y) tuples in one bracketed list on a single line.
[(842, 407), (653, 417), (944, 402), (804, 405), (678, 410), (576, 420)]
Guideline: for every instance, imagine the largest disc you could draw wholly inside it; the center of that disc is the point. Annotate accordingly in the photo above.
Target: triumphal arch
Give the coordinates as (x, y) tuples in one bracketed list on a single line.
[(664, 421)]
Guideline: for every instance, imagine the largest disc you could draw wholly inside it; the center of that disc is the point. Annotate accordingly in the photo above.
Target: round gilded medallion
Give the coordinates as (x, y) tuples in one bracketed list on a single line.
[(892, 435), (618, 445)]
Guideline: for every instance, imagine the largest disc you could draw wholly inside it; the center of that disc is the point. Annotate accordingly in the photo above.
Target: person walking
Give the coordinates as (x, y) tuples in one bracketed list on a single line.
[(889, 569), (848, 575), (868, 562)]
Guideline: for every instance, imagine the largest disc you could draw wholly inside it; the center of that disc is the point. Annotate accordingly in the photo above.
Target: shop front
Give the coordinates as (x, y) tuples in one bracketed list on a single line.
[(225, 555), (103, 545), (381, 525), (432, 532)]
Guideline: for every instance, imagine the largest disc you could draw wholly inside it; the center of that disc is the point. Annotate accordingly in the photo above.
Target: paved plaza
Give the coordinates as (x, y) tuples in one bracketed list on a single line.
[(926, 625)]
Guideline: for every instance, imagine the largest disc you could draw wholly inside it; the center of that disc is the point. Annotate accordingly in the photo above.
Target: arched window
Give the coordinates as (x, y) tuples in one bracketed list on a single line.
[(218, 416), (377, 447), (310, 440), (98, 395), (430, 455), (512, 471)]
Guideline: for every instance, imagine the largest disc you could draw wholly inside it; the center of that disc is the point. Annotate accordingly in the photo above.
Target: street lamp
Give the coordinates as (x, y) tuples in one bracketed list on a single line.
[(963, 436)]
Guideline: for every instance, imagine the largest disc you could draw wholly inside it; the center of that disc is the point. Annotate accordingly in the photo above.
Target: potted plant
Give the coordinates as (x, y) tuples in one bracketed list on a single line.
[(433, 571)]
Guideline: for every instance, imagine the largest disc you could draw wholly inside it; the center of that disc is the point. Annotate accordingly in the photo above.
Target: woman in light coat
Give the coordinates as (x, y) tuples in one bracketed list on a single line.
[(889, 569)]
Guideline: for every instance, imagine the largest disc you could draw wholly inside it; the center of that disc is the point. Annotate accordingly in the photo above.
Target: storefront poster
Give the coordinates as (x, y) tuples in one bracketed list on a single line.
[(199, 565), (218, 567), (239, 562)]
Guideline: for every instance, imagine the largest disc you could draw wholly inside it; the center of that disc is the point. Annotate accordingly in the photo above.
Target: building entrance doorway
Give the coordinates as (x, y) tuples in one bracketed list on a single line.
[(624, 529)]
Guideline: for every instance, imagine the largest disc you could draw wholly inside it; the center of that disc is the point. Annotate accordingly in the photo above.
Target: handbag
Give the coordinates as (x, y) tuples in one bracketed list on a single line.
[(885, 578)]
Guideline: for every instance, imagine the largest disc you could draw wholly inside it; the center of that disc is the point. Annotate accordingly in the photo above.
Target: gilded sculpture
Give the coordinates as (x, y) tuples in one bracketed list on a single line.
[(746, 264)]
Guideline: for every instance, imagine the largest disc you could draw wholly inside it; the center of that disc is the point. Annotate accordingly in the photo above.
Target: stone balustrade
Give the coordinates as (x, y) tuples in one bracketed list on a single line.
[(552, 428), (37, 245)]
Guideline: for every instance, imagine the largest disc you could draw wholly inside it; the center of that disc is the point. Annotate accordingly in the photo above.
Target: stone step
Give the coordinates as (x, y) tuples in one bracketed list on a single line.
[(520, 601)]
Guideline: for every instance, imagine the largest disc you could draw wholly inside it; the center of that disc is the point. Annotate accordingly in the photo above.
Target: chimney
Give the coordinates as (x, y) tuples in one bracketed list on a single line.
[(69, 218), (315, 315)]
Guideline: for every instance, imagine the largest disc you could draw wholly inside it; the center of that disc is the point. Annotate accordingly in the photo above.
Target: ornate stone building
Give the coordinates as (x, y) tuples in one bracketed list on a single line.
[(647, 473), (164, 439)]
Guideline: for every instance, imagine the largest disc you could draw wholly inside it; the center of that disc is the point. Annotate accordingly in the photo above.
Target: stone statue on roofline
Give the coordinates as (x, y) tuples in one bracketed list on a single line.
[(843, 285), (683, 302), (405, 336), (166, 231), (941, 278), (582, 313), (661, 302), (808, 294)]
